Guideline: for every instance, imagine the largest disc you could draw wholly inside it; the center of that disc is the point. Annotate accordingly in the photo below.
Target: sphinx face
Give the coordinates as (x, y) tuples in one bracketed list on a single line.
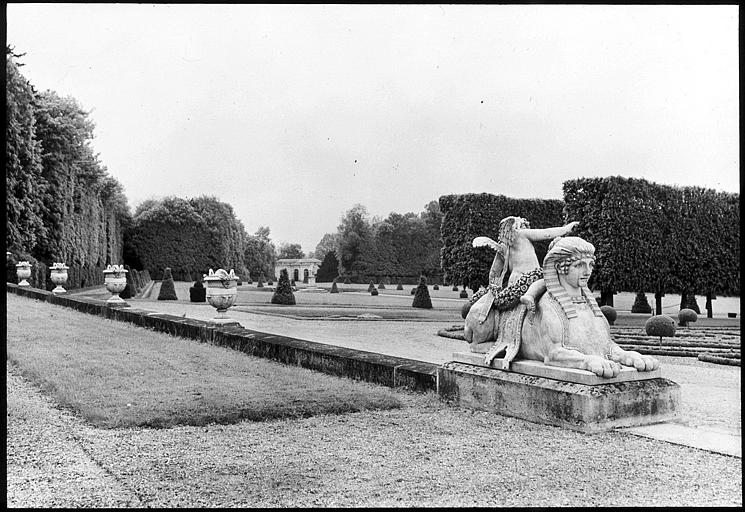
[(579, 272)]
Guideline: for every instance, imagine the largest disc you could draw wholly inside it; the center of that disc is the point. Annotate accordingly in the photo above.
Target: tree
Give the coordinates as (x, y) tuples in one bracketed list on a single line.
[(355, 242), (189, 236), (260, 253), (329, 269), (290, 251), (23, 171), (327, 244)]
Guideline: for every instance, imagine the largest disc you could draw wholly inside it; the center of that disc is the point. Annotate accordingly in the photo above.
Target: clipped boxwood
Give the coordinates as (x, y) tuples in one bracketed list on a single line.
[(334, 288), (610, 313), (400, 285), (641, 304), (463, 294), (660, 325), (371, 287), (167, 288), (374, 292), (421, 297), (198, 293), (685, 316), (283, 294), (381, 286)]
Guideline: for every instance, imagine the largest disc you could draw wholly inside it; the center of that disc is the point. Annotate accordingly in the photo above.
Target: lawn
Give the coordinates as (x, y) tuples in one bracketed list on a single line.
[(118, 375)]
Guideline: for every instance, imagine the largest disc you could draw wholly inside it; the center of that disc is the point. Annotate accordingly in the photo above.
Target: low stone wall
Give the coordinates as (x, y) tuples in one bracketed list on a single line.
[(396, 372)]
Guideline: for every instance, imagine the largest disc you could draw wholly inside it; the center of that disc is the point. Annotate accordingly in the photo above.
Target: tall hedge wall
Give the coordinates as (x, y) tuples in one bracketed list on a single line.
[(466, 216), (62, 205), (188, 235), (651, 237)]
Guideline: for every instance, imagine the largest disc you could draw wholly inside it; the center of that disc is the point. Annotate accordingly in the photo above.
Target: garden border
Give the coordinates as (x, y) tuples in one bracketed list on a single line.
[(390, 371)]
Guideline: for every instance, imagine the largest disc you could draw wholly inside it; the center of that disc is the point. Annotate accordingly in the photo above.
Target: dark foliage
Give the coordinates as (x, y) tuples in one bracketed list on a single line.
[(167, 288), (610, 313), (464, 217), (198, 293), (421, 297), (334, 288), (641, 304), (283, 294)]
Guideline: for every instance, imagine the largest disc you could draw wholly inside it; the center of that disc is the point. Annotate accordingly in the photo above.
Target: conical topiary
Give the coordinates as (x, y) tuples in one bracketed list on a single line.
[(400, 285), (381, 286), (421, 297), (641, 304), (283, 294), (167, 288), (334, 288), (371, 287)]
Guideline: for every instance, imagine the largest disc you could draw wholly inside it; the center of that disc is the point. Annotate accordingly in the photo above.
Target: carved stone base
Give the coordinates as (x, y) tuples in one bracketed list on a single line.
[(539, 369), (582, 407)]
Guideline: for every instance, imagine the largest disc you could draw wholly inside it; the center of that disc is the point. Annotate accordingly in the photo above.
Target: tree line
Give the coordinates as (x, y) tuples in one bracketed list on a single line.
[(399, 246), (61, 202)]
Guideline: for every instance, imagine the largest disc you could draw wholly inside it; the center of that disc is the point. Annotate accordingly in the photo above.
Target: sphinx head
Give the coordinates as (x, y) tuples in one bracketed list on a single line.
[(567, 268)]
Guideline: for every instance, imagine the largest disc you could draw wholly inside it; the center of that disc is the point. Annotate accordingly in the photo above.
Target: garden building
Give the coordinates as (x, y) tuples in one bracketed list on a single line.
[(298, 269)]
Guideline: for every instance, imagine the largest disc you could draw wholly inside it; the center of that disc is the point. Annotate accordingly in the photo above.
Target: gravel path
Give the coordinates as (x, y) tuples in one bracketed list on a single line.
[(426, 454)]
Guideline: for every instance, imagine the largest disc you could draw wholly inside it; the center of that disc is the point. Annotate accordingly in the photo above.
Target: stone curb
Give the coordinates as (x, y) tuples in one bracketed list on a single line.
[(391, 371)]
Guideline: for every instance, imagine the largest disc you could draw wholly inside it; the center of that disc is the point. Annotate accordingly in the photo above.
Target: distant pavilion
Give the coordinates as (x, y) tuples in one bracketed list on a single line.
[(298, 269)]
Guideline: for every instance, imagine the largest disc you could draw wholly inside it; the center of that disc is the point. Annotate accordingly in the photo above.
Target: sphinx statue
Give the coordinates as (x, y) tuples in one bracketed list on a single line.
[(565, 326)]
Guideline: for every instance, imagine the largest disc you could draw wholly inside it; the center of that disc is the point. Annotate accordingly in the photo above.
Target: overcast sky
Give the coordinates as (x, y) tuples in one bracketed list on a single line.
[(293, 114)]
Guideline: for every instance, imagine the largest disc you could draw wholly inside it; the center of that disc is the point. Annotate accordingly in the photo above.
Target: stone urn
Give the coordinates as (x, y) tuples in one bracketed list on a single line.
[(222, 289), (115, 280), (23, 271), (58, 275)]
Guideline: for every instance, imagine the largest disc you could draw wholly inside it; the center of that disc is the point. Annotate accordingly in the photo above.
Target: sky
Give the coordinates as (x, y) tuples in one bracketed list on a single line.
[(295, 113)]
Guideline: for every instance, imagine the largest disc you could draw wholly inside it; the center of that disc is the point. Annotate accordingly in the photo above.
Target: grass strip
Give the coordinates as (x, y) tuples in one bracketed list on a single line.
[(117, 375)]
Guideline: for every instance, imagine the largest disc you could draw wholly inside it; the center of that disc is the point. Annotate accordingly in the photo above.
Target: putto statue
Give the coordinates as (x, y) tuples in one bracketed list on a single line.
[(561, 327), (516, 257)]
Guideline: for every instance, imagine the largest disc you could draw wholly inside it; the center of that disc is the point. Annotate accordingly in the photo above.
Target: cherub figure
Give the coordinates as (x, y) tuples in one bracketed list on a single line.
[(516, 257)]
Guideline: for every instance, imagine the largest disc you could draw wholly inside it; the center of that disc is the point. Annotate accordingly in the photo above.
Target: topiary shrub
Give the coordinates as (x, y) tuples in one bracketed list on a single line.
[(167, 288), (660, 325), (346, 280), (381, 286), (371, 287), (421, 297), (283, 294), (685, 316), (436, 287), (455, 288), (270, 282), (334, 288), (641, 304), (260, 283), (463, 294), (610, 313), (198, 293), (399, 285), (374, 292)]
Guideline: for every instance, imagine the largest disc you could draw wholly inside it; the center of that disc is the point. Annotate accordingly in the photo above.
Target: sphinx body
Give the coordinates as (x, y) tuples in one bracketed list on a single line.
[(566, 328)]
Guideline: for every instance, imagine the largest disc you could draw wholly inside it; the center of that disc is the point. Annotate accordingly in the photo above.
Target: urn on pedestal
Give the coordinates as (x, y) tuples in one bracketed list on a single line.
[(115, 280), (58, 275), (23, 271), (222, 290)]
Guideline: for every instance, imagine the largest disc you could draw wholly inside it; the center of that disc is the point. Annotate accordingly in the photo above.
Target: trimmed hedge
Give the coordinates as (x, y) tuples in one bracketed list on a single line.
[(198, 293), (467, 216)]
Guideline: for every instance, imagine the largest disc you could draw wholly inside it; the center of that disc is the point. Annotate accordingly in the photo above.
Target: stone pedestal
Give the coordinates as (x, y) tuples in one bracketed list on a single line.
[(619, 402)]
